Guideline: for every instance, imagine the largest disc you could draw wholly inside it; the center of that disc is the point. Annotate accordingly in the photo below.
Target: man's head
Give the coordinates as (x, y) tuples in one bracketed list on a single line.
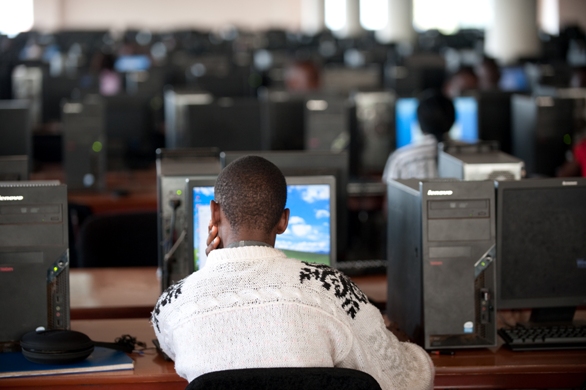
[(251, 194), (436, 114), (462, 81), (489, 74)]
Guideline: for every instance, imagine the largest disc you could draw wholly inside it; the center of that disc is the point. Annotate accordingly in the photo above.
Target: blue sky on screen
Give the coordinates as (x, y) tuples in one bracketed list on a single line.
[(201, 198), (309, 222)]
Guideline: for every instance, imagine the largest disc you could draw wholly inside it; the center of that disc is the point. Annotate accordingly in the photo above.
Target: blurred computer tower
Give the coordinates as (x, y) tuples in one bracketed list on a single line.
[(441, 262), (330, 122), (494, 118), (34, 259), (543, 127), (85, 144), (14, 168), (174, 168), (375, 134), (15, 128), (480, 161), (282, 123)]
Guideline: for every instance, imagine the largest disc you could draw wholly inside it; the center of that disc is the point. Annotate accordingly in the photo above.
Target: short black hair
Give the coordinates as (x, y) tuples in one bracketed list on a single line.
[(252, 192), (436, 113)]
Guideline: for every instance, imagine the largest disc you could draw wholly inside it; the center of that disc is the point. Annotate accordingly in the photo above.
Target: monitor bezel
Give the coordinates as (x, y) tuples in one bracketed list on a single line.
[(529, 184), (207, 181)]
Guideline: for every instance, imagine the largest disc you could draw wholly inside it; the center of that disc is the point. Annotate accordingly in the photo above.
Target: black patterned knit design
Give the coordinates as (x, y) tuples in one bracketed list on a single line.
[(344, 289), (170, 294)]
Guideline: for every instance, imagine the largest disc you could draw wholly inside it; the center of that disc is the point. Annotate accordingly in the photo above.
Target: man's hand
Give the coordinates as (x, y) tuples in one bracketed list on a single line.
[(213, 241)]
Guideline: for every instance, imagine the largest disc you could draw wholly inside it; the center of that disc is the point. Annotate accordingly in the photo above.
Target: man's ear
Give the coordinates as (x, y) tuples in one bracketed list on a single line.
[(215, 212), (283, 222)]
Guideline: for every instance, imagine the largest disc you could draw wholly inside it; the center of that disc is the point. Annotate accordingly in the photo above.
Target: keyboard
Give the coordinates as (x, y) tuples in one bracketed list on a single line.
[(525, 338), (362, 267)]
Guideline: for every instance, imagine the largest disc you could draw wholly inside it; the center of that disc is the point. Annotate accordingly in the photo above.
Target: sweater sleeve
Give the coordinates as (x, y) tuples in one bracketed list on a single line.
[(394, 364), (162, 314)]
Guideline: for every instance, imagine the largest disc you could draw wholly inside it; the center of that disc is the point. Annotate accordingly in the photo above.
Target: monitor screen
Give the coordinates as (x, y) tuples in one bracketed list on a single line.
[(541, 245), (132, 63), (310, 235), (465, 128), (514, 78), (312, 163)]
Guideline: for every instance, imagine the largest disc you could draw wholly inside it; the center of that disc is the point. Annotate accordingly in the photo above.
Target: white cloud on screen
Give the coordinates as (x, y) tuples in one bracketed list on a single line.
[(295, 220), (301, 230), (322, 214), (314, 193), (207, 191)]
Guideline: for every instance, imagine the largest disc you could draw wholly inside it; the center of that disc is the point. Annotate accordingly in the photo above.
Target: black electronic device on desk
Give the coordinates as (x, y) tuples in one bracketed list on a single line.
[(34, 259), (541, 252)]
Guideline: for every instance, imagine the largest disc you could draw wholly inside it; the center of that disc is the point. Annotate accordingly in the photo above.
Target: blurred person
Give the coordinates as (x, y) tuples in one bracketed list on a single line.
[(463, 80), (488, 73), (436, 115)]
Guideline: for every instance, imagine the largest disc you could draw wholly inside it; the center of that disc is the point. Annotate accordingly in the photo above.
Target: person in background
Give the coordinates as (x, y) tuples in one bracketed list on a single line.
[(463, 80), (302, 76), (488, 73), (436, 115), (252, 307)]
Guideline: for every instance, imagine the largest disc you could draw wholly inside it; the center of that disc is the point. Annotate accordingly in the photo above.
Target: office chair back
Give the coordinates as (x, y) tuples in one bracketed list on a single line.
[(298, 378), (118, 240)]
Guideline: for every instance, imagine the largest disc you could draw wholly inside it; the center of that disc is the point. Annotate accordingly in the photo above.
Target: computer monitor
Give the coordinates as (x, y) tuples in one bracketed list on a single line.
[(541, 250), (14, 168), (132, 63), (465, 128), (15, 128), (514, 78), (311, 234), (311, 163), (198, 120)]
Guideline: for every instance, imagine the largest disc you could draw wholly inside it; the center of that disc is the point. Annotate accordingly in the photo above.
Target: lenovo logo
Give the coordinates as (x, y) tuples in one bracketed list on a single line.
[(11, 198), (439, 192)]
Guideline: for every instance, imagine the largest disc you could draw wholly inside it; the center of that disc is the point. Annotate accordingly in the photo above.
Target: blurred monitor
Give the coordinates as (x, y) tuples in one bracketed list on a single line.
[(514, 78), (310, 235), (132, 63), (465, 128), (541, 249), (15, 128)]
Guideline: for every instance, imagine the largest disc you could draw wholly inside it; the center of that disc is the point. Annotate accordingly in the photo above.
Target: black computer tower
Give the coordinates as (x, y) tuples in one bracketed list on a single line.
[(174, 168), (374, 138), (441, 262), (34, 259), (330, 122), (84, 144), (543, 129)]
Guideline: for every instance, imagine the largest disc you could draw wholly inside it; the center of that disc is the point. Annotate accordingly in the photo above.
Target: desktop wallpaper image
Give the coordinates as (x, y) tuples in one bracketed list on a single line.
[(307, 237)]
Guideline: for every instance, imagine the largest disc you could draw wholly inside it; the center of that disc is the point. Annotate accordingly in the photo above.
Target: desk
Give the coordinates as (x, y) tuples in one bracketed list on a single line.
[(150, 372), (132, 292), (473, 369), (139, 188)]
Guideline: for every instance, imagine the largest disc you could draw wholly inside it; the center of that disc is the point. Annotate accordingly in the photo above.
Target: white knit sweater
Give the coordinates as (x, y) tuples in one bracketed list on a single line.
[(254, 307)]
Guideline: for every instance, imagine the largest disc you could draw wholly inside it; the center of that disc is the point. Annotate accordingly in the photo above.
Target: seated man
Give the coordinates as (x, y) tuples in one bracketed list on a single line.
[(436, 115), (251, 306)]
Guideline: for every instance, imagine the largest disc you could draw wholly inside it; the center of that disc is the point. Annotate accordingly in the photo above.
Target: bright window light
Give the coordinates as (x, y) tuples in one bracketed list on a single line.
[(374, 14), (16, 16), (449, 16), (335, 14)]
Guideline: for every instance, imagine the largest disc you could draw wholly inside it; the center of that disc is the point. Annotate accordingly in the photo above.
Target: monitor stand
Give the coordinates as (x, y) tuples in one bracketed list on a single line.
[(558, 315)]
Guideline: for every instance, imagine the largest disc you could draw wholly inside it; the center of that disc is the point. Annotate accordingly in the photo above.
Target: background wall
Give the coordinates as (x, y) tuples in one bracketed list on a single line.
[(573, 12), (166, 14)]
